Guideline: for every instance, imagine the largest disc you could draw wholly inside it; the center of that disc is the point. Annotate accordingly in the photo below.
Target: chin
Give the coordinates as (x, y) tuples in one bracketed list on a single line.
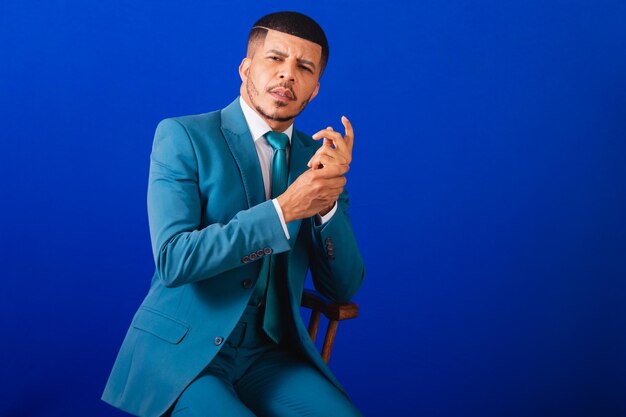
[(281, 116), (280, 104), (280, 111)]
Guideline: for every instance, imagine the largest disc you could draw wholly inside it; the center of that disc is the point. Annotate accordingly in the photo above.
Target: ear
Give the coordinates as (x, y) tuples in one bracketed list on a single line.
[(244, 69), (317, 90)]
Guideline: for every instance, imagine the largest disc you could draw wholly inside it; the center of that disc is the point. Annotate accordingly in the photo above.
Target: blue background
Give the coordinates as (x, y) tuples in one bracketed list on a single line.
[(488, 193)]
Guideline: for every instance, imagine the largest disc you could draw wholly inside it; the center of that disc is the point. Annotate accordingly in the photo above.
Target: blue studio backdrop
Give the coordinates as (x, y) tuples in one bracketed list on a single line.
[(488, 193)]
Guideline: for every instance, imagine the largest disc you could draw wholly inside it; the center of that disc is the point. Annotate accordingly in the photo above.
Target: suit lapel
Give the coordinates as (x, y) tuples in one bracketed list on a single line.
[(299, 156), (241, 145)]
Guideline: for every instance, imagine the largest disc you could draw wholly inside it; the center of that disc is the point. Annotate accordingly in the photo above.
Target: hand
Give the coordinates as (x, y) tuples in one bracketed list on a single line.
[(312, 192), (336, 149)]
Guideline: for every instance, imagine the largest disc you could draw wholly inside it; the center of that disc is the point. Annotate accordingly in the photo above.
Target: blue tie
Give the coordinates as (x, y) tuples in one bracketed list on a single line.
[(276, 294), (278, 141)]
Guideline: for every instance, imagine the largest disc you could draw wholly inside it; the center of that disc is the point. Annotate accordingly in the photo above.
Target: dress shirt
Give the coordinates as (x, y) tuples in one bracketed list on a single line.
[(258, 128)]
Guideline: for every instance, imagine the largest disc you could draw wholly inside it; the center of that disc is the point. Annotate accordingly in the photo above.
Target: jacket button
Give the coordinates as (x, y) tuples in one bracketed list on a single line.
[(247, 283), (245, 259), (218, 340), (253, 256), (331, 252), (329, 240), (267, 251), (260, 253)]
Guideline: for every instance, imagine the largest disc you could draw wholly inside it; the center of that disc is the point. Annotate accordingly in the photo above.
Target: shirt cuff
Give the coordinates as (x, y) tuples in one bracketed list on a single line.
[(279, 211), (320, 220)]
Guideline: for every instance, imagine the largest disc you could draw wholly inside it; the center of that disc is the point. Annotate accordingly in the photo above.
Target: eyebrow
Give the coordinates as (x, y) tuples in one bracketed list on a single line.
[(284, 55)]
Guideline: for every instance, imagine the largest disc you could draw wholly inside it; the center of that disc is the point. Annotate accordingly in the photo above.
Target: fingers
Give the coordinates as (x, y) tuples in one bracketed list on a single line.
[(330, 193), (315, 190), (330, 171), (335, 137), (330, 153), (341, 143), (323, 161), (335, 185), (318, 135), (326, 155), (320, 161), (349, 136), (341, 154), (328, 142)]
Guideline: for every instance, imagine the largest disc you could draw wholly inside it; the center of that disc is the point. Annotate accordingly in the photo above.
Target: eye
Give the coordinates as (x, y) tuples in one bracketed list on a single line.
[(274, 58), (304, 67)]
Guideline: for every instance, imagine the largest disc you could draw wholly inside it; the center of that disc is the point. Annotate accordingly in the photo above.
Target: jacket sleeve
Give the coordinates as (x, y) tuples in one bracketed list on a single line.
[(183, 251), (337, 267)]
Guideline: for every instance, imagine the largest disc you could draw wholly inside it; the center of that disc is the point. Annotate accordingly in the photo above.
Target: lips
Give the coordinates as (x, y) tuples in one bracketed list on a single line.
[(282, 94)]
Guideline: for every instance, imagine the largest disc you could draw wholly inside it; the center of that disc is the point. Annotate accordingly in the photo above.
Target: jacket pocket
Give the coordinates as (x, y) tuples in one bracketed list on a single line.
[(160, 325)]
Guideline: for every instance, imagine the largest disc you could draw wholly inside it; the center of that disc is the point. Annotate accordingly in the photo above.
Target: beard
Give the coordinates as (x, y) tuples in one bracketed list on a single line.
[(252, 92)]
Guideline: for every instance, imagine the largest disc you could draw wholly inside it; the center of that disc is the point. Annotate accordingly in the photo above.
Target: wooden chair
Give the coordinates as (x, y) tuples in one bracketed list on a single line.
[(334, 313)]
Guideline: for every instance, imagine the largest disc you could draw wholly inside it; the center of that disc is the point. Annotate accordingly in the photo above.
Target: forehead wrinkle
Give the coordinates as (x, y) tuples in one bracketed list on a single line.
[(277, 52), (285, 55)]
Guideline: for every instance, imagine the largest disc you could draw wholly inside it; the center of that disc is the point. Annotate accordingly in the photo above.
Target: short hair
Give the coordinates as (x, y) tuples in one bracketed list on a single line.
[(292, 23)]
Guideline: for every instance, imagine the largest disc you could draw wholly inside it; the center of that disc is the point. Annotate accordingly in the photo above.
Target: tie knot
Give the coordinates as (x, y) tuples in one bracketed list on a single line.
[(277, 140)]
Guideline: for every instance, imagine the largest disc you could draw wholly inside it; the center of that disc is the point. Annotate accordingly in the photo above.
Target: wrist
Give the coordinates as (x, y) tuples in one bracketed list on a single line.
[(284, 206)]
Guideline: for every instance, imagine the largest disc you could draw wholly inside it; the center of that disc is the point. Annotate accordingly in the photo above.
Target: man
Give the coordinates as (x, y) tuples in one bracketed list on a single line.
[(241, 205)]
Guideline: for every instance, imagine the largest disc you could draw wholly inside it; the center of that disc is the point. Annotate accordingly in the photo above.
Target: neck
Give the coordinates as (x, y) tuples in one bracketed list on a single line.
[(278, 126)]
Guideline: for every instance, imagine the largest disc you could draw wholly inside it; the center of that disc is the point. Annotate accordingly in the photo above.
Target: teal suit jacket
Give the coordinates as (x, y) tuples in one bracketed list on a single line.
[(210, 227)]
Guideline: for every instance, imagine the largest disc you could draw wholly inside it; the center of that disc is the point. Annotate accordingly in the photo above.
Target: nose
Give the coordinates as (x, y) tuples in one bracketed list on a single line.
[(287, 71)]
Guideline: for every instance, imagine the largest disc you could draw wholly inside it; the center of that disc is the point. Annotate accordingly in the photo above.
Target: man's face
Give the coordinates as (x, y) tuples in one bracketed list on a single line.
[(281, 77)]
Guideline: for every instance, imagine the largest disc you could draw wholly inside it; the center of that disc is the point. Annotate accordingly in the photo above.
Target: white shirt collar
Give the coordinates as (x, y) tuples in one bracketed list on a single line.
[(257, 126)]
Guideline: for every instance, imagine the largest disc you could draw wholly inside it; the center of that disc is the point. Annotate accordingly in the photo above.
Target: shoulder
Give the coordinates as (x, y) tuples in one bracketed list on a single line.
[(209, 124), (194, 123), (195, 128)]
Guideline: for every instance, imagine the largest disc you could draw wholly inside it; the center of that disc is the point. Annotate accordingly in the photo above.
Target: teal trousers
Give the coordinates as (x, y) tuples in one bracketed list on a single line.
[(253, 376)]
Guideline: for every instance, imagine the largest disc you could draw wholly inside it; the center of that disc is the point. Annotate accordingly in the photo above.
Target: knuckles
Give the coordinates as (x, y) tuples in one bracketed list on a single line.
[(315, 175)]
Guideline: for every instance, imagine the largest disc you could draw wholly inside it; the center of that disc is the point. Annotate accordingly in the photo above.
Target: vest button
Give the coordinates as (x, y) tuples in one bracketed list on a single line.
[(218, 340), (247, 283)]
